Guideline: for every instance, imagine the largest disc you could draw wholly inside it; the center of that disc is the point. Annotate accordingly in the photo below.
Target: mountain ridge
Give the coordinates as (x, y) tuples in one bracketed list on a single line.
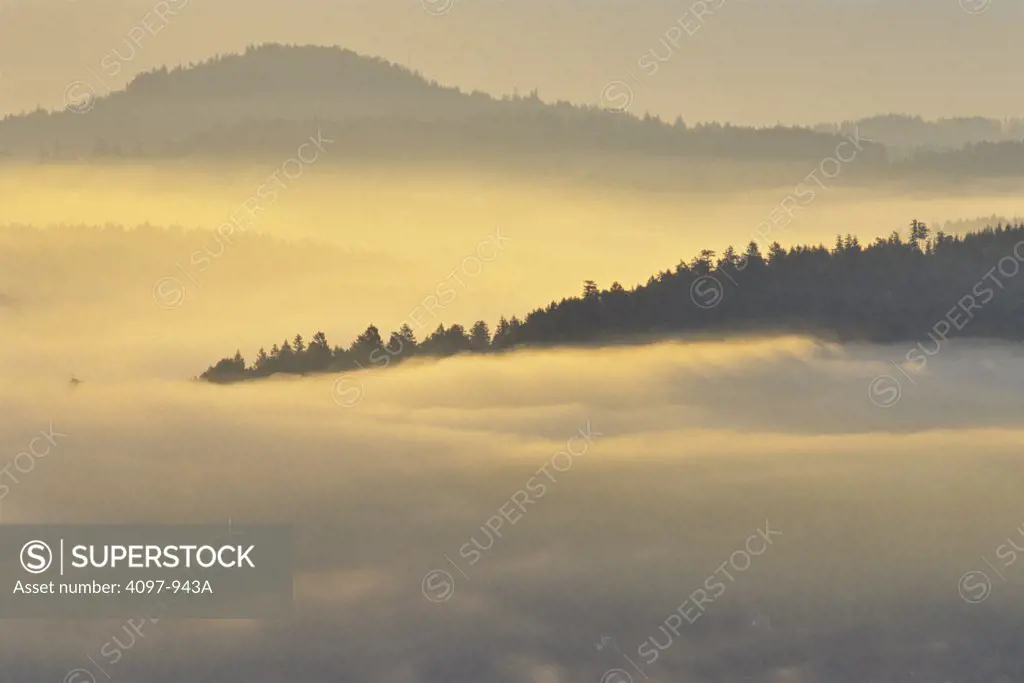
[(161, 110), (265, 101)]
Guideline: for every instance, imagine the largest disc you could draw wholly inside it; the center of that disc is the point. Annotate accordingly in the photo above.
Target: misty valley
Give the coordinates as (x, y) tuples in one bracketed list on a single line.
[(542, 390)]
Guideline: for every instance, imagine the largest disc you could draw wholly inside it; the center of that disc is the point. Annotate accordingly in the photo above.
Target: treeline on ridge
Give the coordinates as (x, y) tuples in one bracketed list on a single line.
[(892, 290)]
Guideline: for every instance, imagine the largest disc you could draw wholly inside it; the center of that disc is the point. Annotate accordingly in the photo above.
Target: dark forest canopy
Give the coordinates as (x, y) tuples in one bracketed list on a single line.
[(925, 286)]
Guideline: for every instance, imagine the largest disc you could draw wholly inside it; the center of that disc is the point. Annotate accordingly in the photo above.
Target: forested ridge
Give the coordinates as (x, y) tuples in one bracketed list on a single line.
[(270, 96), (895, 289), (264, 102)]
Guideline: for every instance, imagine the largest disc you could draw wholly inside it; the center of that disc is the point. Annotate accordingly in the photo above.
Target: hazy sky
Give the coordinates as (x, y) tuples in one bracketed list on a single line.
[(795, 61)]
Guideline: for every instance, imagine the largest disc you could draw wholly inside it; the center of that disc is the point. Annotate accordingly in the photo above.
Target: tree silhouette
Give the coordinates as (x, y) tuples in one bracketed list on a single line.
[(480, 336), (888, 291)]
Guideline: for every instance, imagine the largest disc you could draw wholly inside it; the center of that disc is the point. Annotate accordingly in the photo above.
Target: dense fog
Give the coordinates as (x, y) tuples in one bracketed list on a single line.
[(692, 446), (580, 467), (681, 452)]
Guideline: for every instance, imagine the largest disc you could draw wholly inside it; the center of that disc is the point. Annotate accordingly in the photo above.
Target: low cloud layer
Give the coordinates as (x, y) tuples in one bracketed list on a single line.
[(693, 448), (534, 516)]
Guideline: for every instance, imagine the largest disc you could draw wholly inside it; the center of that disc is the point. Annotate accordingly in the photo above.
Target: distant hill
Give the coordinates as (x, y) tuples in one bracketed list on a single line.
[(904, 134), (266, 99)]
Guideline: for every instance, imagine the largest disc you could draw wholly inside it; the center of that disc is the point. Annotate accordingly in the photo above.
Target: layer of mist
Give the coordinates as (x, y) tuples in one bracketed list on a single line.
[(692, 447), (767, 508)]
